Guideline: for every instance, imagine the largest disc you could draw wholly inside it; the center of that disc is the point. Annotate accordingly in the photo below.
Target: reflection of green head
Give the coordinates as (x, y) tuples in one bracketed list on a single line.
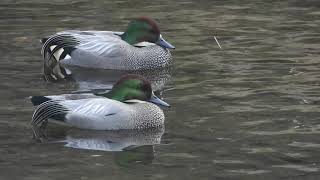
[(141, 29), (131, 87), (129, 158)]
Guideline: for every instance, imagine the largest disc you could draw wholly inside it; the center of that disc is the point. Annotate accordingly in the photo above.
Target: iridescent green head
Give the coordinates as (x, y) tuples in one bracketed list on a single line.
[(144, 29), (134, 87)]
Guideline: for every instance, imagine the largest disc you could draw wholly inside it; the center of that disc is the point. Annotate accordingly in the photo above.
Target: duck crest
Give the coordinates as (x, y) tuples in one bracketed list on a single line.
[(151, 22)]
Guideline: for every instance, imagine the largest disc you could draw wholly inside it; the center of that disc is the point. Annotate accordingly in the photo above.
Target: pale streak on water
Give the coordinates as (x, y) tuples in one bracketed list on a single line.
[(247, 111)]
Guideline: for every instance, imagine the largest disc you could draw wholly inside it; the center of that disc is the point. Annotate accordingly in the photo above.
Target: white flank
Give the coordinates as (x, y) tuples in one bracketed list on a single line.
[(58, 54), (67, 57), (52, 47)]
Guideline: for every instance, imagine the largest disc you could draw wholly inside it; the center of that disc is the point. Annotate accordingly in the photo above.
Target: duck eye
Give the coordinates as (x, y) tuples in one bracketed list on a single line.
[(144, 87), (152, 31)]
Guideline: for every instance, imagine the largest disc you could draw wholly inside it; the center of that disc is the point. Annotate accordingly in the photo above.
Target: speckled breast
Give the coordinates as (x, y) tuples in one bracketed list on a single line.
[(150, 57)]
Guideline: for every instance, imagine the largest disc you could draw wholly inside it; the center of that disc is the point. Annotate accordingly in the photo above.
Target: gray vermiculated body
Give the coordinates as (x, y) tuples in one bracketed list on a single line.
[(151, 57), (151, 117), (107, 50), (122, 116), (103, 114)]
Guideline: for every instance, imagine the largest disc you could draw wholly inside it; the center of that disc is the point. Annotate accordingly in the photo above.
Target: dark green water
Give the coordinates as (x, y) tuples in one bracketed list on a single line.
[(247, 111)]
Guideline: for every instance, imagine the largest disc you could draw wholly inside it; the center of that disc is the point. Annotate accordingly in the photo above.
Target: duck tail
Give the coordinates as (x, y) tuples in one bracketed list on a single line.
[(37, 100), (43, 40), (55, 48), (49, 109)]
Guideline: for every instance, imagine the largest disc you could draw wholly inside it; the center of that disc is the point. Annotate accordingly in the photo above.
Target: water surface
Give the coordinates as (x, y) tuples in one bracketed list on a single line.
[(247, 111)]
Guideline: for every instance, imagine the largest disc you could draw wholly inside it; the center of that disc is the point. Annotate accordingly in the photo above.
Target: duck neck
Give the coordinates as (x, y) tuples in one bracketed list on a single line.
[(112, 95), (129, 38)]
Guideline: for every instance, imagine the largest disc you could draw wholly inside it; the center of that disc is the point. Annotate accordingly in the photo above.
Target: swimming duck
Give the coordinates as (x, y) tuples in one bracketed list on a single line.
[(140, 47), (129, 105)]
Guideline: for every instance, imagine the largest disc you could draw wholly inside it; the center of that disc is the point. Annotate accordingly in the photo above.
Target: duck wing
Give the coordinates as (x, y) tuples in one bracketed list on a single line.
[(37, 100), (94, 113), (81, 48)]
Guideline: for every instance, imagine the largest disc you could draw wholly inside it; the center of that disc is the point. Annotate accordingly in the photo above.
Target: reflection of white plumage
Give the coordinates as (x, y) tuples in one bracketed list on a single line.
[(112, 140), (126, 106)]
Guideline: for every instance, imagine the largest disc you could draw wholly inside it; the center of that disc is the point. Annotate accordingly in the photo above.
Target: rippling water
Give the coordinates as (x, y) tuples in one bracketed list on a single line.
[(247, 111)]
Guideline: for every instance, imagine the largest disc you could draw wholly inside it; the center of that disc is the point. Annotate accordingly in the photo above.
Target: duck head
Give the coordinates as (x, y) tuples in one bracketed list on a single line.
[(144, 29), (134, 87)]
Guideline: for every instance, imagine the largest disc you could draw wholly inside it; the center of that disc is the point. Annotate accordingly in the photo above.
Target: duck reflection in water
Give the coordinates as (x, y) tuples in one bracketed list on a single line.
[(98, 80), (100, 140), (129, 146)]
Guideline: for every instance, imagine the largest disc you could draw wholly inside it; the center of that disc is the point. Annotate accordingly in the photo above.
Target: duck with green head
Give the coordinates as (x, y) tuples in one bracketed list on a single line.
[(140, 47), (131, 104)]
